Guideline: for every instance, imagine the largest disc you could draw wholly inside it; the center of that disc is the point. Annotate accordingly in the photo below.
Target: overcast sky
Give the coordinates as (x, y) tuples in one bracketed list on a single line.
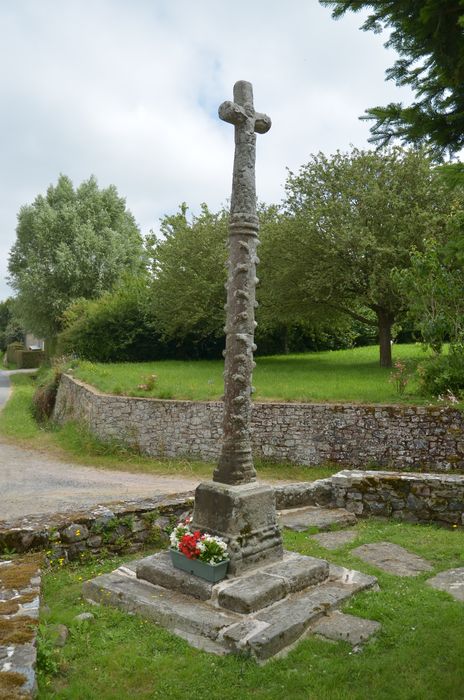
[(129, 90)]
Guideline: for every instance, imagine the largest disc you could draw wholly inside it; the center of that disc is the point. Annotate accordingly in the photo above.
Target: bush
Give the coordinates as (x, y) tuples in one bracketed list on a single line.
[(117, 327), (443, 374)]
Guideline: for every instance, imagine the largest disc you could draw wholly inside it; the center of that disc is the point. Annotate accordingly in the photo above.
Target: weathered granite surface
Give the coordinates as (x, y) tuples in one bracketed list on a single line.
[(127, 525), (451, 581), (348, 628), (261, 633), (426, 438), (392, 558), (19, 614)]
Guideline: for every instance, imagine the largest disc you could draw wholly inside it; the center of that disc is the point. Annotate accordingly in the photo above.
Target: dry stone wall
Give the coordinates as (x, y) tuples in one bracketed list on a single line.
[(420, 438), (113, 528), (426, 498)]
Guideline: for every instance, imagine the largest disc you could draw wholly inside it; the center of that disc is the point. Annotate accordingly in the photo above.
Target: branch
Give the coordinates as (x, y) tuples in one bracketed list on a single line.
[(353, 314)]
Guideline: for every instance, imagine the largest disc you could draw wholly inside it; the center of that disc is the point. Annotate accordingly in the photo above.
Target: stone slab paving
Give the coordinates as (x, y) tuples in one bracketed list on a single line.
[(348, 628), (206, 625), (334, 540), (451, 581), (392, 558), (19, 614), (300, 519)]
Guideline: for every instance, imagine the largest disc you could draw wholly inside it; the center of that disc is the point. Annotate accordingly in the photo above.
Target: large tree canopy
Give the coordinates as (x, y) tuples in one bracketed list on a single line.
[(429, 38), (349, 220), (70, 244), (189, 275)]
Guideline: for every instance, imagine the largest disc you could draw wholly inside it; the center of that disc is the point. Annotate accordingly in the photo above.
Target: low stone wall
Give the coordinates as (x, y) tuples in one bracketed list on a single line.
[(420, 438), (19, 617), (425, 498), (112, 528), (130, 525)]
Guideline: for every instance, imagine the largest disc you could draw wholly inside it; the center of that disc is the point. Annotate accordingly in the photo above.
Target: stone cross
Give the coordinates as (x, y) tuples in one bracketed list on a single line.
[(236, 461), (234, 505)]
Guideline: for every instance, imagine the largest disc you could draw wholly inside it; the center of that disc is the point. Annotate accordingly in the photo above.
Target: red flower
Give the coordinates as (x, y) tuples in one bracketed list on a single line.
[(188, 544)]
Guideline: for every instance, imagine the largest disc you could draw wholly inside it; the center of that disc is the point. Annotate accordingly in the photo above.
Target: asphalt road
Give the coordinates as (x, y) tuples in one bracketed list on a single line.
[(34, 482)]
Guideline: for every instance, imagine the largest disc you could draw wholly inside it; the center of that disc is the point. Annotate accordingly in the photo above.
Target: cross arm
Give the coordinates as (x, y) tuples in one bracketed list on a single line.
[(232, 113), (262, 123)]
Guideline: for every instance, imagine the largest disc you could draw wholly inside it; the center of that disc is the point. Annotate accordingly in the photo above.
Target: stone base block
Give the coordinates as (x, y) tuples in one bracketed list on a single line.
[(245, 516), (261, 613)]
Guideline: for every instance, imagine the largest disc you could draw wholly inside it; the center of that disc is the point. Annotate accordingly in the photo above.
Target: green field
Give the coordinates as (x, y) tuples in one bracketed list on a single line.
[(339, 375), (418, 654)]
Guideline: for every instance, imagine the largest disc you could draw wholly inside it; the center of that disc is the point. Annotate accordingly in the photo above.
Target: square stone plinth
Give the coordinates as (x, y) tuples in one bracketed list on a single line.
[(284, 600), (245, 516)]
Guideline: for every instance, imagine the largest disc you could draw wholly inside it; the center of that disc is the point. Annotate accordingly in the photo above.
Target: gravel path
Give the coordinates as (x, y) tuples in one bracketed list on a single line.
[(34, 482)]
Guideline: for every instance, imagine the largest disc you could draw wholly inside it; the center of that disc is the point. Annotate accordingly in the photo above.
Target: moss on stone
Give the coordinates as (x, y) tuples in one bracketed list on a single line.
[(9, 607), (17, 631), (18, 574), (11, 686)]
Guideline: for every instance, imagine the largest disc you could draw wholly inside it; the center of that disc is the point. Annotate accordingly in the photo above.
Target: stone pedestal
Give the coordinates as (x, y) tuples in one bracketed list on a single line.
[(245, 516)]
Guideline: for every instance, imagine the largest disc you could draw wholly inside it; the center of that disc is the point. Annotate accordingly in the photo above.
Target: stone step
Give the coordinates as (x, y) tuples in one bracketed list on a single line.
[(205, 625), (198, 623), (158, 569), (299, 519), (243, 594), (272, 583), (290, 619)]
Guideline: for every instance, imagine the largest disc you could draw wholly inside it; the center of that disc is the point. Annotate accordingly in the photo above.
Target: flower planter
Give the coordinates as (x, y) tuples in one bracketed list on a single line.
[(210, 572)]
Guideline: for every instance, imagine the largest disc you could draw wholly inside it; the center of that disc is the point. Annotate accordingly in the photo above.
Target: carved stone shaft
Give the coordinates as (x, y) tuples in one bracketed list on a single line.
[(236, 462)]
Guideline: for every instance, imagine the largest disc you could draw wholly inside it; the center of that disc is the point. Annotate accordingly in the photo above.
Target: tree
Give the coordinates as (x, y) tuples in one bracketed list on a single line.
[(189, 276), (70, 244), (11, 329), (429, 38), (348, 221)]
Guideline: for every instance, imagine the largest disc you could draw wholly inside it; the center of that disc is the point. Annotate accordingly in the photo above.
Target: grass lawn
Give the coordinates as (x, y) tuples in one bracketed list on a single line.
[(72, 443), (418, 655), (341, 375)]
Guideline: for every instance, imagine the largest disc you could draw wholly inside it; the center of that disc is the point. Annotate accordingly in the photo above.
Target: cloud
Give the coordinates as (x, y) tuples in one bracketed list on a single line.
[(129, 92)]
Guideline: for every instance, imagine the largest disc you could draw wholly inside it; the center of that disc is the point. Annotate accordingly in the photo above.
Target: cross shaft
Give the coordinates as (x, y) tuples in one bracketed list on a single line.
[(236, 462)]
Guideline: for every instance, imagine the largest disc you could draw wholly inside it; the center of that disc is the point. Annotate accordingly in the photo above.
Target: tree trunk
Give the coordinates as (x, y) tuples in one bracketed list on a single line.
[(285, 340), (50, 347), (385, 321)]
